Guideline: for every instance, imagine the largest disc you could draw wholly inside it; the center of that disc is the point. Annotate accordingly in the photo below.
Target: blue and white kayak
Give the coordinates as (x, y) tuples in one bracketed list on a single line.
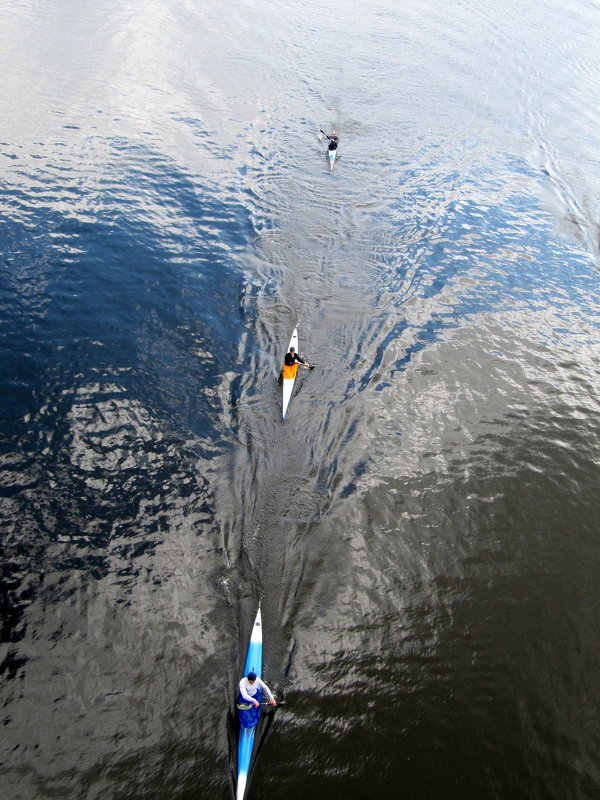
[(288, 383), (246, 742), (331, 154)]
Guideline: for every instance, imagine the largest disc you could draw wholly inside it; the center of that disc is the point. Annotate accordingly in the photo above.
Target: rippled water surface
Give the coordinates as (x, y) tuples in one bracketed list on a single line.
[(423, 530)]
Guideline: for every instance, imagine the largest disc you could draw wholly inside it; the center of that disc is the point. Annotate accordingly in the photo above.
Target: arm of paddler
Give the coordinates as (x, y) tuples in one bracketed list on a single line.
[(263, 686), (302, 361)]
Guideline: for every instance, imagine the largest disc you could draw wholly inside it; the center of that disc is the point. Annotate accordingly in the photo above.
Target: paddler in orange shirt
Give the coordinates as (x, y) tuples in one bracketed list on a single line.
[(291, 363)]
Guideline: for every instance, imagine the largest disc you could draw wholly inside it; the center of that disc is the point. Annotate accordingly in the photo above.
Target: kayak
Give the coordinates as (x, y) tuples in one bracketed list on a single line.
[(331, 154), (288, 383), (246, 742)]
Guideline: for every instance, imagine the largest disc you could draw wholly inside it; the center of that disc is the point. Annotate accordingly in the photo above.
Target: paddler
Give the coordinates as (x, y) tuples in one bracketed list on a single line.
[(291, 363), (333, 140), (250, 698)]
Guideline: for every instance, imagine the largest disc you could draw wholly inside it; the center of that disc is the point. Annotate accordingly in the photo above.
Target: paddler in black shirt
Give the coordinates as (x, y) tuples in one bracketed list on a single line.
[(333, 138), (291, 363)]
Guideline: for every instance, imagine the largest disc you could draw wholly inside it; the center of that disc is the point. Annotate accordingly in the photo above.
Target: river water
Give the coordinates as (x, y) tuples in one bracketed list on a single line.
[(423, 530)]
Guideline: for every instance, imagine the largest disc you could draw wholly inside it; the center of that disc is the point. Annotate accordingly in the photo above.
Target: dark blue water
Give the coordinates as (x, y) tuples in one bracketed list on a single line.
[(422, 531)]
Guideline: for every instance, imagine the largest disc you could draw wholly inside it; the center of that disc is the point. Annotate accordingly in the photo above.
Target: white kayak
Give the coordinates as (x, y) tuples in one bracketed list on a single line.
[(246, 741), (331, 154), (288, 383)]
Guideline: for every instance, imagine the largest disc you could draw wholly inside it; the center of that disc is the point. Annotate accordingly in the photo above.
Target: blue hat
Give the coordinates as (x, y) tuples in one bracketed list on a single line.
[(252, 676)]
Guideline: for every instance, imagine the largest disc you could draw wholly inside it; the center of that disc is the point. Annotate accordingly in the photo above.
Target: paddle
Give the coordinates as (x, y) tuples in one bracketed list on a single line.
[(248, 706), (325, 134), (305, 365)]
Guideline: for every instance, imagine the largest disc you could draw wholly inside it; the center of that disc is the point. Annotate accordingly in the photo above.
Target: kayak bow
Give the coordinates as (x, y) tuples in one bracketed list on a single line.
[(288, 383), (246, 742)]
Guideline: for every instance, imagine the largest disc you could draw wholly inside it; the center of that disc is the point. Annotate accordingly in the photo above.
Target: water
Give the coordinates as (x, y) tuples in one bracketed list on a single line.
[(423, 529)]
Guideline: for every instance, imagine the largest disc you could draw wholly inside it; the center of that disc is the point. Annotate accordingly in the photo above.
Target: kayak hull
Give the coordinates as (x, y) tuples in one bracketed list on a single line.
[(288, 383), (245, 746), (331, 154), (246, 740)]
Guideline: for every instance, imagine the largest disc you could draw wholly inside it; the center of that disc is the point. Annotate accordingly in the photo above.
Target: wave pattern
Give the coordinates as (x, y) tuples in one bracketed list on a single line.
[(422, 529)]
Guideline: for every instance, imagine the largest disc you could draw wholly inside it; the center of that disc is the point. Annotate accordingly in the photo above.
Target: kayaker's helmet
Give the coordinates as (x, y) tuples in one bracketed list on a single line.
[(252, 676), (292, 349)]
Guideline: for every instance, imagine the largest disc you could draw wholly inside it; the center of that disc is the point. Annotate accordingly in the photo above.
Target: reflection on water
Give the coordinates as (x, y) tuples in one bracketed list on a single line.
[(422, 530)]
